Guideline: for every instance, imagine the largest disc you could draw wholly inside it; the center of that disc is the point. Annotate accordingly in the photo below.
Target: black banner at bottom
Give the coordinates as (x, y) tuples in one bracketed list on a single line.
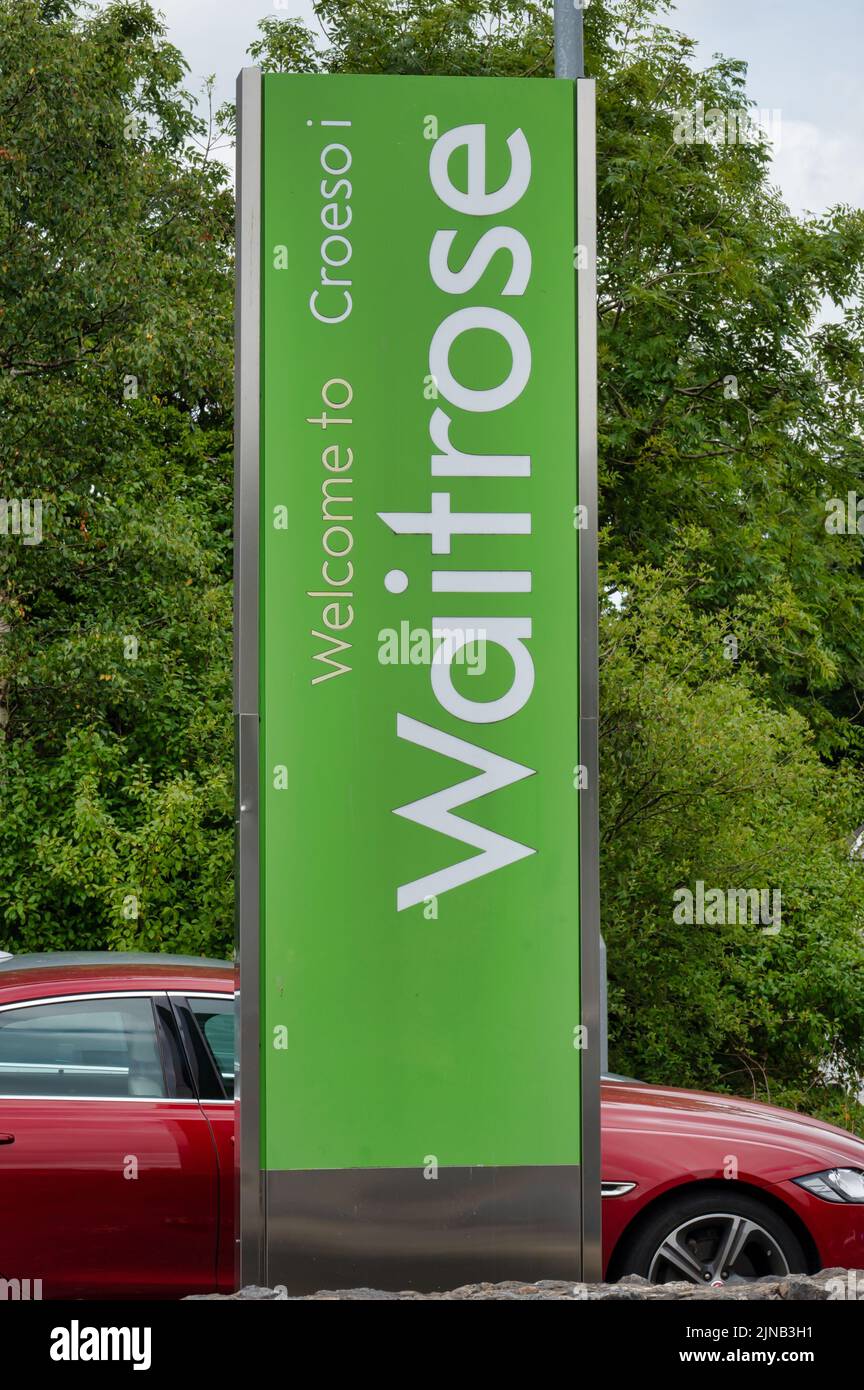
[(218, 1337)]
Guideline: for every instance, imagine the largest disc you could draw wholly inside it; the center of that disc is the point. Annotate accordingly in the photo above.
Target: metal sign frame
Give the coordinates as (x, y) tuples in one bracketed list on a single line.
[(261, 1230)]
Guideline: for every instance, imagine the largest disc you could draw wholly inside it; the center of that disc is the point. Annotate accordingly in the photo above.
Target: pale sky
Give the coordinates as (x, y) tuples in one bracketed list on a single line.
[(804, 59)]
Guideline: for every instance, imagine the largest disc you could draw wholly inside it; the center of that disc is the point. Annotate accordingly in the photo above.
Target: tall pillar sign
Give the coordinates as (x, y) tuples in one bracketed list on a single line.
[(416, 737)]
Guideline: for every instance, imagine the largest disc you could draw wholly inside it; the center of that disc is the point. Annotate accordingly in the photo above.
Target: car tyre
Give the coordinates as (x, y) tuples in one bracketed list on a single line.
[(703, 1237)]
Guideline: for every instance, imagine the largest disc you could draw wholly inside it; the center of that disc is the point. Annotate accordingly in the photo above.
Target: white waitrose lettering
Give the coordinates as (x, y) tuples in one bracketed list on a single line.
[(442, 522)]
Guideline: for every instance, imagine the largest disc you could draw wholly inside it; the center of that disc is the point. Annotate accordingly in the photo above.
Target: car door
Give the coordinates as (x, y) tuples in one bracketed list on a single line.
[(108, 1170), (207, 1023)]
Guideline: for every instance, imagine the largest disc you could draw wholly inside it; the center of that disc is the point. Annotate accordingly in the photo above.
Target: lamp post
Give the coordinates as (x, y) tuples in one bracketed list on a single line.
[(569, 46)]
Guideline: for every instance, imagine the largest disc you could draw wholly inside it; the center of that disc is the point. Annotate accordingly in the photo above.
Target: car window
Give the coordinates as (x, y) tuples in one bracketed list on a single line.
[(216, 1021), (95, 1048)]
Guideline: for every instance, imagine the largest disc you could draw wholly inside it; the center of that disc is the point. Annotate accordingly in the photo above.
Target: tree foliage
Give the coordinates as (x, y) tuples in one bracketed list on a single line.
[(115, 386), (706, 778)]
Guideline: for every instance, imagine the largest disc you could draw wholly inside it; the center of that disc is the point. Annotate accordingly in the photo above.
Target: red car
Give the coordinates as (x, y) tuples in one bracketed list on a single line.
[(116, 1125), (701, 1186), (117, 1132)]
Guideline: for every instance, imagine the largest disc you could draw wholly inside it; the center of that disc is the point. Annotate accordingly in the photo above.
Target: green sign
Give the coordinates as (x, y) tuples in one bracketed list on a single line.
[(409, 491), (419, 612)]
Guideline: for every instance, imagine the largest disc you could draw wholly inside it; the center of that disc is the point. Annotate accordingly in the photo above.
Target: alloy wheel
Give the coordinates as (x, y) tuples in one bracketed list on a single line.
[(714, 1246)]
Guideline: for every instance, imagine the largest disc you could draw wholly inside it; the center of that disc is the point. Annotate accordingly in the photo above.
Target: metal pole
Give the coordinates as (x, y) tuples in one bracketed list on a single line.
[(570, 65), (569, 44), (604, 1010), (589, 803), (249, 1194)]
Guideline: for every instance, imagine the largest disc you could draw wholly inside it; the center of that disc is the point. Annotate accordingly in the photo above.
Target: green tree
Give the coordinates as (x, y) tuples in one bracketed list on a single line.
[(705, 778), (115, 386)]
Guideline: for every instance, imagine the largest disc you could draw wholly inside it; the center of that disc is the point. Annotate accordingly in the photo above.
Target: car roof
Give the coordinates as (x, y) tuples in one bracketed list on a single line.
[(40, 974), (52, 960)]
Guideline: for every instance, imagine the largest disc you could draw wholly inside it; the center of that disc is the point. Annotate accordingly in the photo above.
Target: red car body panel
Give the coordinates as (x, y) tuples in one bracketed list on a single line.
[(69, 1216), (222, 1127), (662, 1139), (37, 982), (76, 1213), (71, 1213)]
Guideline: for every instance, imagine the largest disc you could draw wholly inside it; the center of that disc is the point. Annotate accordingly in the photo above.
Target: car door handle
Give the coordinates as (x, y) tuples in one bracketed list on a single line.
[(7, 1138)]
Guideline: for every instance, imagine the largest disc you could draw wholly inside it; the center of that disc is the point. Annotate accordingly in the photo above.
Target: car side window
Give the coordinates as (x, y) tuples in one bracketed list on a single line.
[(215, 1018), (99, 1049)]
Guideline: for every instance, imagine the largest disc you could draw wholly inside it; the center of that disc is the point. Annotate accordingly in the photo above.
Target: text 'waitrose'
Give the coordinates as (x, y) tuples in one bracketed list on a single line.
[(441, 522)]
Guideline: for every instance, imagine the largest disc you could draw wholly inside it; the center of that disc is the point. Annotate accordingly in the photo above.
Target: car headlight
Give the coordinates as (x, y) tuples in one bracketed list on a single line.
[(835, 1184)]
